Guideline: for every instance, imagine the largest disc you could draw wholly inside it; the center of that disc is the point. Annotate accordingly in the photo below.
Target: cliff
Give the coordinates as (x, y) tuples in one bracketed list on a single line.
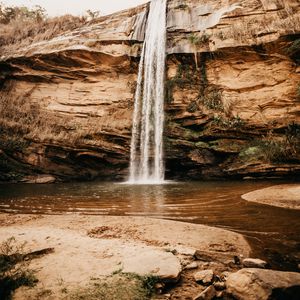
[(232, 94)]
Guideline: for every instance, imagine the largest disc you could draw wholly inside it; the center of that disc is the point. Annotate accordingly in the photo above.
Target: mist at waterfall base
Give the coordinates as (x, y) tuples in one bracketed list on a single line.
[(146, 156)]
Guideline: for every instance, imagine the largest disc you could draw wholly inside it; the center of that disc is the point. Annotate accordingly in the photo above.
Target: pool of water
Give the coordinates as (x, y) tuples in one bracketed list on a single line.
[(274, 233)]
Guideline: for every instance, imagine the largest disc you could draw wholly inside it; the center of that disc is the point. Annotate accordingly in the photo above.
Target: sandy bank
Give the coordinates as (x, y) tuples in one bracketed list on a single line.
[(95, 246), (285, 195)]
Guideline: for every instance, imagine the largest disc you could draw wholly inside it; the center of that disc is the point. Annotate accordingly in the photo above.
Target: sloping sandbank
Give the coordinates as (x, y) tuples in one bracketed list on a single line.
[(284, 195), (88, 247)]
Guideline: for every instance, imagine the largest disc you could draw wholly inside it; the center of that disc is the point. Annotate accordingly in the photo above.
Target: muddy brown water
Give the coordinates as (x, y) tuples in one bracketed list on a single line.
[(274, 233)]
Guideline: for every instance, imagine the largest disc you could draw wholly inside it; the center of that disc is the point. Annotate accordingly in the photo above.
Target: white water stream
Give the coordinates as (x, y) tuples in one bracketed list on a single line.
[(146, 157)]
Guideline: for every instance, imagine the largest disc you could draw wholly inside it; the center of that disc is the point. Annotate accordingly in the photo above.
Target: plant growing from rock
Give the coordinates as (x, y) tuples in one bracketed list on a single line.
[(276, 149), (212, 98), (92, 14), (182, 6), (183, 76), (233, 123), (198, 41), (294, 47)]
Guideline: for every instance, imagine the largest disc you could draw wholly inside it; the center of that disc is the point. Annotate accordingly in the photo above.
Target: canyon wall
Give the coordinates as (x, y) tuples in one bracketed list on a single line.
[(232, 94)]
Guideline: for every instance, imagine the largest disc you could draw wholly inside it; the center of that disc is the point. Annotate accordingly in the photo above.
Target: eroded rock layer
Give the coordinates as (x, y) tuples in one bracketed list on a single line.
[(232, 94)]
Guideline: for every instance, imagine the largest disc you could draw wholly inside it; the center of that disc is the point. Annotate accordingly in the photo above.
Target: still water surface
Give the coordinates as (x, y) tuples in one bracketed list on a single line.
[(274, 233)]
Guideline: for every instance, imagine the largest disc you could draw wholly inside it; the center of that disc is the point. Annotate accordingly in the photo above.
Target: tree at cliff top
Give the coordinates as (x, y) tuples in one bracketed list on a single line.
[(20, 22), (10, 14)]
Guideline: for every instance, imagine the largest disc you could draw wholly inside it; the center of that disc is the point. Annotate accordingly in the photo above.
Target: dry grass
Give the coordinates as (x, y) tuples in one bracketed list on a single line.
[(286, 21), (30, 31), (14, 269), (22, 120)]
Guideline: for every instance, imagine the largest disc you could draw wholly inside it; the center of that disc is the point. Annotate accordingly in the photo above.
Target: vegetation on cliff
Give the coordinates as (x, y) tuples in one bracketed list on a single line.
[(20, 24), (232, 92)]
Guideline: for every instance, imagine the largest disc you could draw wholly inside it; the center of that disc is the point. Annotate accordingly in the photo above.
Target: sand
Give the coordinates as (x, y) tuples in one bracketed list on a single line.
[(86, 247), (284, 195)]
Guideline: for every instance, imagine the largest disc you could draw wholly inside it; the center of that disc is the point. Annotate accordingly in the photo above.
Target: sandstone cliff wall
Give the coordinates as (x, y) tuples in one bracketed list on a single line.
[(232, 94)]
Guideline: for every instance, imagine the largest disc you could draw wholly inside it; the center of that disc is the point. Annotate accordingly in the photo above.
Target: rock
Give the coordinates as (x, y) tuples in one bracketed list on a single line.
[(204, 277), (183, 250), (40, 179), (219, 285), (254, 263), (220, 294), (208, 294), (155, 262), (204, 256), (237, 260), (45, 179), (259, 284), (225, 275), (159, 287), (192, 265)]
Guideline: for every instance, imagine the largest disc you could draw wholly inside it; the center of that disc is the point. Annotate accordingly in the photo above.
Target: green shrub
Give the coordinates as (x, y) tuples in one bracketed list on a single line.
[(183, 76), (277, 149), (235, 123), (212, 98), (11, 13), (192, 107), (199, 40), (294, 47), (119, 286)]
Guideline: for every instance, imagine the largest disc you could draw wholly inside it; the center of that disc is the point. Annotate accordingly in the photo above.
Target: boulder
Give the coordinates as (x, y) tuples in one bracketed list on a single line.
[(219, 285), (259, 284), (205, 276), (159, 263), (254, 263)]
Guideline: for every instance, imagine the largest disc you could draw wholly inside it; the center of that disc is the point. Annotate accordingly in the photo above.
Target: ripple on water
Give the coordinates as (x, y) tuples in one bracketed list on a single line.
[(211, 203)]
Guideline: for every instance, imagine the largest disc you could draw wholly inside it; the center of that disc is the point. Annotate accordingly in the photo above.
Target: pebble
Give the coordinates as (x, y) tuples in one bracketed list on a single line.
[(205, 276)]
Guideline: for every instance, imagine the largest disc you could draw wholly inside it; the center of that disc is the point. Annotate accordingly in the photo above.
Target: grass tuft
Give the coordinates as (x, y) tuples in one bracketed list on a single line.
[(14, 271), (119, 286)]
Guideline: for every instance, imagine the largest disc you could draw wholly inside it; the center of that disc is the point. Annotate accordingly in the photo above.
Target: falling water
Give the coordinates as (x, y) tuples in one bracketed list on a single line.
[(146, 157)]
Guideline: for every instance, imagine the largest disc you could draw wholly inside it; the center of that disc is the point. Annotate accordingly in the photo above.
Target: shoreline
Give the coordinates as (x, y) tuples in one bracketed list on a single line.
[(82, 249), (282, 195), (93, 246)]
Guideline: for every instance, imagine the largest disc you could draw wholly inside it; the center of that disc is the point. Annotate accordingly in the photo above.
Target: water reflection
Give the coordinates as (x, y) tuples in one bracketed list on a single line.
[(152, 199)]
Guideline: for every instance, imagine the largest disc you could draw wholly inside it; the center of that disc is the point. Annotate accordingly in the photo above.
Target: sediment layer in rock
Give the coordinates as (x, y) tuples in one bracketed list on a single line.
[(231, 95)]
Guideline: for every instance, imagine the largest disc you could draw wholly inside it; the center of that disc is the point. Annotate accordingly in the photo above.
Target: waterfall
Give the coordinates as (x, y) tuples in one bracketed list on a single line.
[(146, 156)]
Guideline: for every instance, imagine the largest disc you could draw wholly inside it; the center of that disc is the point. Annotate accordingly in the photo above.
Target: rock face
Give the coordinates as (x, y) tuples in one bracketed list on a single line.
[(258, 284), (232, 94)]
